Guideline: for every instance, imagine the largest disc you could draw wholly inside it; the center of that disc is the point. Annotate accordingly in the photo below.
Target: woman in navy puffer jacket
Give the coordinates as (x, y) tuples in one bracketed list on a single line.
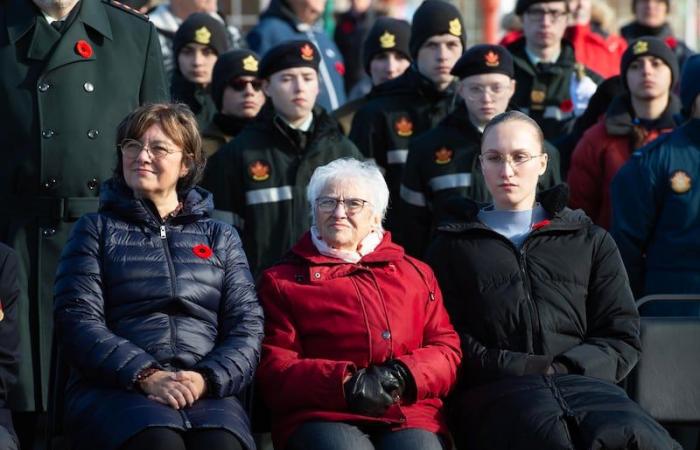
[(155, 308)]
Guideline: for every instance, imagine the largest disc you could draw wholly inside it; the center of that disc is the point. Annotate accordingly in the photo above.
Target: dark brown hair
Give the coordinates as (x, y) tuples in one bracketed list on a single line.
[(179, 124)]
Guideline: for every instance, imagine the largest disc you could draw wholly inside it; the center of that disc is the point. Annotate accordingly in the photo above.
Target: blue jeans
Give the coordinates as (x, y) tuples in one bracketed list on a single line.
[(344, 436)]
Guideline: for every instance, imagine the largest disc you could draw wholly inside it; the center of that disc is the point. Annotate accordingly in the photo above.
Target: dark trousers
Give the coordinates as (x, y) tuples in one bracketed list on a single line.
[(343, 436), (160, 438)]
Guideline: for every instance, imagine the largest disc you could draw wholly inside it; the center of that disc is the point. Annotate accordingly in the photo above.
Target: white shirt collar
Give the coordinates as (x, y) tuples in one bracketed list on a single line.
[(304, 126), (534, 59), (51, 20)]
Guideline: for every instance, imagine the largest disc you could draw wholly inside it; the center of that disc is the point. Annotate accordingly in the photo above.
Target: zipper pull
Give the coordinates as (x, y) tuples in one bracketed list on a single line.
[(162, 232)]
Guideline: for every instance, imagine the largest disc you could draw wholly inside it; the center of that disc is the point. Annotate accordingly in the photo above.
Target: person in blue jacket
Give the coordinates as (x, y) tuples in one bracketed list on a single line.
[(155, 308), (289, 20), (656, 204)]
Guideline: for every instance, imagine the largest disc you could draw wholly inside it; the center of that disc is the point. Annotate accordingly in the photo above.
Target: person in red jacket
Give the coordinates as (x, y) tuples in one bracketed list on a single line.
[(359, 350), (601, 54), (636, 117)]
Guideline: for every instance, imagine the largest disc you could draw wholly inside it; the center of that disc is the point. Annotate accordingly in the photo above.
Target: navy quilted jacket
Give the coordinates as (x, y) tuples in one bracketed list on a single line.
[(133, 292)]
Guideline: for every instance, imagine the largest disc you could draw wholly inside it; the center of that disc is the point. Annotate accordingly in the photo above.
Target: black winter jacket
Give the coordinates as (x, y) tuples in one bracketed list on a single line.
[(134, 292), (563, 299)]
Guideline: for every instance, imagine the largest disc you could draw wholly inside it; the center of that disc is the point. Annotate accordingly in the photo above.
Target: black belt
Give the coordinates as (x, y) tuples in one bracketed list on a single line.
[(61, 209)]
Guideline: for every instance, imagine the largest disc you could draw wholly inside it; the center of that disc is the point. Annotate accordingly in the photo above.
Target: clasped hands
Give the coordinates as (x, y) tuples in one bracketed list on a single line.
[(373, 390), (174, 389)]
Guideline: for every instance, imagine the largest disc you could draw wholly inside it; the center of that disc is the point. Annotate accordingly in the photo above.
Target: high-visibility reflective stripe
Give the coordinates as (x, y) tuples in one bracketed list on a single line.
[(396, 156), (451, 181), (269, 195), (554, 112), (228, 217), (412, 197)]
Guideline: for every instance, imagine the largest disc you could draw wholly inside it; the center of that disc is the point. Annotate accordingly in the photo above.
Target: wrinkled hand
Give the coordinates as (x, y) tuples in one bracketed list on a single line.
[(372, 391), (175, 389)]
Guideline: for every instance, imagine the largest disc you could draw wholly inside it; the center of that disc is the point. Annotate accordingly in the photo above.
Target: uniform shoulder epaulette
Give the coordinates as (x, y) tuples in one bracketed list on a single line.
[(126, 8)]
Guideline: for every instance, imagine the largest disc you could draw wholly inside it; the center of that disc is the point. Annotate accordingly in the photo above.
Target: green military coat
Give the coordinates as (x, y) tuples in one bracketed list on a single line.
[(62, 98)]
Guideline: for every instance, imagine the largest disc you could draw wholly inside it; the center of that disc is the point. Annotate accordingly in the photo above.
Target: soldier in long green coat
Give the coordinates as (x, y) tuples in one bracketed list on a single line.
[(63, 90)]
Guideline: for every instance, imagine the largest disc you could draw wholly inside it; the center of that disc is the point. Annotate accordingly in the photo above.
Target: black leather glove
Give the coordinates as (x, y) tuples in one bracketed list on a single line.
[(399, 371), (371, 391)]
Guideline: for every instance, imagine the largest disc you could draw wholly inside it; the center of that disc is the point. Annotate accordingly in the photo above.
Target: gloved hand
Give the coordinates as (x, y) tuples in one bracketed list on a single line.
[(399, 371), (372, 391)]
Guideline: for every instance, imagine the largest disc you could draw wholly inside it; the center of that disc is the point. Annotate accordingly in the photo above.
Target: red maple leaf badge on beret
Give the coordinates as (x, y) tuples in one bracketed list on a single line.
[(83, 48), (202, 251), (567, 106), (307, 52)]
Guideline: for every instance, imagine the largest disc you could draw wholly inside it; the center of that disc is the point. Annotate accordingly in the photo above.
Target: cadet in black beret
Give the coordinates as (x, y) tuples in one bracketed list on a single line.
[(484, 59), (237, 92), (386, 35), (197, 45), (434, 17), (522, 5), (299, 53), (649, 46)]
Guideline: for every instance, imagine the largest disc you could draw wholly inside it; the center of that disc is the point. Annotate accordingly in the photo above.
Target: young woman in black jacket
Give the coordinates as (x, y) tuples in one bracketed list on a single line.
[(155, 307), (542, 304)]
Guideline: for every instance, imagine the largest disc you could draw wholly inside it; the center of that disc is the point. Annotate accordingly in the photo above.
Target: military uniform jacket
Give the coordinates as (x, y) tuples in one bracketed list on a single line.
[(259, 181), (62, 99), (443, 163), (656, 214), (545, 92), (399, 110)]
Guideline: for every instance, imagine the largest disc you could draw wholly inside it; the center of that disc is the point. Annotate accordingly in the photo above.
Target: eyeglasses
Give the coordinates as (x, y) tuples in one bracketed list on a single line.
[(539, 14), (477, 91), (351, 205), (493, 160), (240, 84), (132, 148)]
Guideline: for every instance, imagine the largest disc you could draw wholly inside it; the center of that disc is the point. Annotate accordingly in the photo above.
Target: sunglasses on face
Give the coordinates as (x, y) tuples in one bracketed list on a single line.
[(240, 85)]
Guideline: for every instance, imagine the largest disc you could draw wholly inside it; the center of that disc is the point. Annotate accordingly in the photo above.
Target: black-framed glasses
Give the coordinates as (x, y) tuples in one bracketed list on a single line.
[(495, 159), (539, 14), (131, 148), (240, 84), (351, 205)]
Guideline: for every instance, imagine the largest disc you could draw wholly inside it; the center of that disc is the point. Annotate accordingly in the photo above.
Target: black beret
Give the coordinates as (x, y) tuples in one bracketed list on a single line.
[(300, 53), (230, 65), (649, 46), (484, 58), (201, 28), (387, 34), (432, 18), (522, 5)]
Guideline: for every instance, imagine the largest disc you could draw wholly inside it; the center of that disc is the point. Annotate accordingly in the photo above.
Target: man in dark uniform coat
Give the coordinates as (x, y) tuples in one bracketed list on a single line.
[(443, 162), (259, 179), (9, 342), (64, 87), (414, 102)]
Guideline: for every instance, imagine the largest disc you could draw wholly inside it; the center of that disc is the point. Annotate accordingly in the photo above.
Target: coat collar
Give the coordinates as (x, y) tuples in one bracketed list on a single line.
[(23, 17), (565, 62), (385, 252), (619, 120)]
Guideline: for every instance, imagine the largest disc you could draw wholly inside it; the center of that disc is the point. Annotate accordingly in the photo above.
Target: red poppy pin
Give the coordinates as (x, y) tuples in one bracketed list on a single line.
[(541, 224), (347, 27), (567, 106), (340, 68), (671, 42), (202, 251), (83, 49)]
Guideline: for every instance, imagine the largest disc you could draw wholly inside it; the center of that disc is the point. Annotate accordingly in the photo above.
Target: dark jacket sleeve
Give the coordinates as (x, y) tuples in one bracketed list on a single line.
[(9, 334), (366, 132), (153, 85), (611, 347), (79, 314), (479, 363), (415, 214), (231, 364), (634, 214), (223, 179)]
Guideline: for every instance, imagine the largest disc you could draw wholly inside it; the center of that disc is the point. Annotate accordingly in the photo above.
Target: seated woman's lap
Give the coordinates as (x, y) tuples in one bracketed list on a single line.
[(344, 436), (157, 438)]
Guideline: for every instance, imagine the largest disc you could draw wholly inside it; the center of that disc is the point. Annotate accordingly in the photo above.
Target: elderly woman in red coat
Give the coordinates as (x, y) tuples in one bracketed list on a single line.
[(359, 351)]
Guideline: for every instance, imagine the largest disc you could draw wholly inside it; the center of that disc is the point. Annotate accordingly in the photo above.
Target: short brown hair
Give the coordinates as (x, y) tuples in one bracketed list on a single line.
[(512, 116), (179, 124)]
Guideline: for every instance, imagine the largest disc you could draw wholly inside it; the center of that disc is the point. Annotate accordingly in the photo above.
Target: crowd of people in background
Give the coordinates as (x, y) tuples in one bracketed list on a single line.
[(409, 239)]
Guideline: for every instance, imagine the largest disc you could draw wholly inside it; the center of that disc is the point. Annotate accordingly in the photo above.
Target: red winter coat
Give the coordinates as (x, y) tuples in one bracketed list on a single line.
[(603, 150), (325, 318), (600, 54)]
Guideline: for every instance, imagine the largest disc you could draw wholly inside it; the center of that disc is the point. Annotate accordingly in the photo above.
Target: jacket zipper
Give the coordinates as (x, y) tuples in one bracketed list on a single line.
[(534, 312), (171, 268)]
